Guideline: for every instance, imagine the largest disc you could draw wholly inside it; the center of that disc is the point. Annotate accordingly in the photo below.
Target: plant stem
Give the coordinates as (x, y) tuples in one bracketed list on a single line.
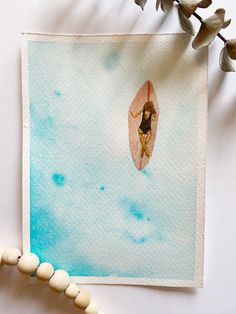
[(197, 16)]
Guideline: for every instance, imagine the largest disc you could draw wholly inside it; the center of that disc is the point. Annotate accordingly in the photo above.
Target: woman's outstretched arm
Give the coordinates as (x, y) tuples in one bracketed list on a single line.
[(154, 116), (135, 115)]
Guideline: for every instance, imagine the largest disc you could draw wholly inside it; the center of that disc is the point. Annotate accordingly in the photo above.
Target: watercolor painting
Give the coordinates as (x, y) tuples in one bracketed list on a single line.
[(143, 118), (114, 157)]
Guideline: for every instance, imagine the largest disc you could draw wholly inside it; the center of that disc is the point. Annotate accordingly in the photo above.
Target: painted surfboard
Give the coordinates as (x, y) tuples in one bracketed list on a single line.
[(142, 121)]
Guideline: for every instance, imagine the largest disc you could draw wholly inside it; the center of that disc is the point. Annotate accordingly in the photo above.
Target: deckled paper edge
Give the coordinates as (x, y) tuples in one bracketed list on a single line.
[(202, 141), (201, 180), (25, 145)]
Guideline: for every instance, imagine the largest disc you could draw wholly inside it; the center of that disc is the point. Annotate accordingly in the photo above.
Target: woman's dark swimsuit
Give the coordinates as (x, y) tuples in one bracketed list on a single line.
[(145, 124)]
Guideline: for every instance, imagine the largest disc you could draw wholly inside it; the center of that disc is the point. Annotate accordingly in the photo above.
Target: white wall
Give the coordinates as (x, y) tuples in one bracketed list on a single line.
[(119, 16)]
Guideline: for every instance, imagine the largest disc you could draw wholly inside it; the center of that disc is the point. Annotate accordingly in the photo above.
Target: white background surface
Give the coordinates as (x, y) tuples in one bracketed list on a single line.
[(120, 16)]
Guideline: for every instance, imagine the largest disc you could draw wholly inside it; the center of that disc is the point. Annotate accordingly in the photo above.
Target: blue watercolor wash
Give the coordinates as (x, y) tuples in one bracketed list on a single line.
[(86, 267), (159, 236), (44, 126), (134, 208), (112, 61), (44, 228), (59, 179), (50, 132), (137, 240), (58, 93)]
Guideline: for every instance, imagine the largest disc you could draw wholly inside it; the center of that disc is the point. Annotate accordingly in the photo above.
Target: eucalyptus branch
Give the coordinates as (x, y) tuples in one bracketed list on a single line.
[(200, 19), (209, 29)]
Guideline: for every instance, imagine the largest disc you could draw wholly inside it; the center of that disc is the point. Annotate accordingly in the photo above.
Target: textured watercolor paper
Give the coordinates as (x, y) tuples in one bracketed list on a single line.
[(86, 207)]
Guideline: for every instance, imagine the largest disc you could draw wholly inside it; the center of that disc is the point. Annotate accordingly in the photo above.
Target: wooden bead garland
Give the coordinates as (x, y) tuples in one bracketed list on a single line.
[(45, 271), (92, 308), (1, 254), (72, 291), (58, 280), (83, 299), (11, 256), (28, 263)]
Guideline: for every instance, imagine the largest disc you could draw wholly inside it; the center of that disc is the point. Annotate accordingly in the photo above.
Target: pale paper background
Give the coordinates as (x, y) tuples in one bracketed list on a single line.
[(218, 295)]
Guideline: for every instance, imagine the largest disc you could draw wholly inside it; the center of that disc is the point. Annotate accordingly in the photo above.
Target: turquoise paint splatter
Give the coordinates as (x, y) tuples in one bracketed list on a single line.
[(145, 172), (102, 188), (59, 179), (136, 212), (134, 208), (112, 61), (58, 93)]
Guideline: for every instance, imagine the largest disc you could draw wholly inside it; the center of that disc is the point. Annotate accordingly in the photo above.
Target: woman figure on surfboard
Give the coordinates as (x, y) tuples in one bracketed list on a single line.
[(149, 114)]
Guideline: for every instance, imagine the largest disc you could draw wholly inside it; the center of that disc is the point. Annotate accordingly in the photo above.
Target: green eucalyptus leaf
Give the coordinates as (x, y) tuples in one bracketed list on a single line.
[(225, 61), (141, 3)]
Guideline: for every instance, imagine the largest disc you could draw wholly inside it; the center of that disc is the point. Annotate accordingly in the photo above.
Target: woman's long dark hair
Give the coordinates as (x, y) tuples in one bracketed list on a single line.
[(149, 106)]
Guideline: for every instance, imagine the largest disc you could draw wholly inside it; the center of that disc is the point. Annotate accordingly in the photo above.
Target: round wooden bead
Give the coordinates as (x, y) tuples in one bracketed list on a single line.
[(91, 308), (72, 290), (82, 300), (1, 254), (59, 281), (45, 271), (11, 256), (28, 263)]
